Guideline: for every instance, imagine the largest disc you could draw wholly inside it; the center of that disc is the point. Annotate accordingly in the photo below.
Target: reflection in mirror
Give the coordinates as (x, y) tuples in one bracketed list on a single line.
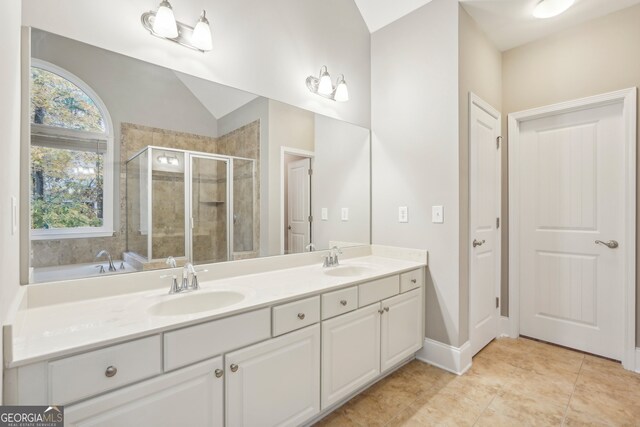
[(132, 163)]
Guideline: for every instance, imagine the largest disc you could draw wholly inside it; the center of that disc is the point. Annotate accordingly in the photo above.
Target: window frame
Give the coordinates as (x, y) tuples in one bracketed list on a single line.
[(72, 139)]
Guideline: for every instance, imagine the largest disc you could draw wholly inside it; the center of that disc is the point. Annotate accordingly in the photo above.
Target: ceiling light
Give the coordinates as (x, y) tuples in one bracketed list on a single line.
[(201, 37), (323, 86), (164, 23), (550, 8)]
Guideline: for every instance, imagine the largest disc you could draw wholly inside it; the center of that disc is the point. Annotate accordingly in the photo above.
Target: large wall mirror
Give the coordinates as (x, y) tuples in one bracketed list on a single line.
[(132, 163)]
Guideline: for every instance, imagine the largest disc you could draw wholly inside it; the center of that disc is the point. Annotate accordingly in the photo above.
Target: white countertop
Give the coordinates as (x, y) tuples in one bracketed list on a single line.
[(50, 331)]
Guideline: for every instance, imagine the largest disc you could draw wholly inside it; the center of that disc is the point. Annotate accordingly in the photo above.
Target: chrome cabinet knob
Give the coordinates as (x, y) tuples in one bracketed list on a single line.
[(381, 311), (611, 244), (301, 316), (414, 280), (111, 371), (478, 243), (386, 309), (343, 302), (234, 367), (219, 373)]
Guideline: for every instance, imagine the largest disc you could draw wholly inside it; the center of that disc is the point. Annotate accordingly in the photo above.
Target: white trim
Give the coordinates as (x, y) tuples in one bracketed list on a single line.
[(453, 359), (628, 98), (637, 367), (108, 204), (504, 327), (296, 152), (486, 107)]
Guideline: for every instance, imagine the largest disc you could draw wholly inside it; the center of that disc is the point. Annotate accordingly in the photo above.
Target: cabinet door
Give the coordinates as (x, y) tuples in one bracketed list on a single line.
[(401, 327), (190, 396), (275, 383), (350, 352)]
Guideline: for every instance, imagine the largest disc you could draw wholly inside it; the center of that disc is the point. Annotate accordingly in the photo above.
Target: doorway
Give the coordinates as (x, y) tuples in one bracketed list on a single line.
[(572, 203), (296, 201), (484, 222)]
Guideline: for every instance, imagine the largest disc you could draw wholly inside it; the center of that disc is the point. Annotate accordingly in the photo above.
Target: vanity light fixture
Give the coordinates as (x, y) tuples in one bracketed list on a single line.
[(323, 86), (163, 24), (550, 8)]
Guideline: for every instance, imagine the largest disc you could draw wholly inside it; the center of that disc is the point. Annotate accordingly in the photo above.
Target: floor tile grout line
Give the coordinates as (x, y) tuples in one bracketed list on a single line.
[(575, 383)]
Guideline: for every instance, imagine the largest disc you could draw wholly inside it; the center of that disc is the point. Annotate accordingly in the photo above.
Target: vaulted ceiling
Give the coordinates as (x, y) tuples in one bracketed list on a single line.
[(508, 23)]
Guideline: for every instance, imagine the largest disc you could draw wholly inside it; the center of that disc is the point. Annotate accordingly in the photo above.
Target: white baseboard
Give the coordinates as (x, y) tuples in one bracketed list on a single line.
[(637, 367), (453, 359)]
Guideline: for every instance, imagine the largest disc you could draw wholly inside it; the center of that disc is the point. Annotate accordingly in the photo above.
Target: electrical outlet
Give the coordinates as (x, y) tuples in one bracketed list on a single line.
[(345, 214), (403, 214)]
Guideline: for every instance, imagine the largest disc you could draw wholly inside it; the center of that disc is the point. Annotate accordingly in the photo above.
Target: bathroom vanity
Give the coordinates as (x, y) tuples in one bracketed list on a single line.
[(278, 341)]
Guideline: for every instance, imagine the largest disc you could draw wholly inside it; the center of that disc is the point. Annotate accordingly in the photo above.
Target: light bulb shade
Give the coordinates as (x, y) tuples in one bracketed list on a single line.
[(164, 23), (325, 87), (201, 37), (342, 92), (550, 8)]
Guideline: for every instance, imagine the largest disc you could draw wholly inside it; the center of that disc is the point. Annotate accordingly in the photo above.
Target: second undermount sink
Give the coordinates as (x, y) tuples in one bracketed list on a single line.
[(195, 302), (348, 270)]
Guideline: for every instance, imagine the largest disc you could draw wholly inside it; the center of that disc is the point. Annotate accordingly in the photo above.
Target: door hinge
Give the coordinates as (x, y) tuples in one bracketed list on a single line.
[(498, 139), (497, 222), (497, 302), (310, 218), (310, 171)]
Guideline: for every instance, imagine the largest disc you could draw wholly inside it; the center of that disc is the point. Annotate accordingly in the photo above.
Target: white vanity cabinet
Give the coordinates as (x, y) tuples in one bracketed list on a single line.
[(276, 382), (190, 396), (401, 328)]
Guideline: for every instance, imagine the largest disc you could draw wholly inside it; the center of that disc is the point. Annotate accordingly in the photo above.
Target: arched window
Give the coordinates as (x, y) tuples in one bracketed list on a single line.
[(71, 157)]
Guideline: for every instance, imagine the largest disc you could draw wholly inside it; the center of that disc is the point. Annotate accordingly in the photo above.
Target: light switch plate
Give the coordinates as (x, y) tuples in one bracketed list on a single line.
[(345, 214), (403, 214), (437, 214), (325, 214)]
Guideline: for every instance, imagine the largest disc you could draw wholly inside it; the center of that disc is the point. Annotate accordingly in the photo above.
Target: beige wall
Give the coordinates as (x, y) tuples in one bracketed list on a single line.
[(480, 65), (288, 127), (596, 57)]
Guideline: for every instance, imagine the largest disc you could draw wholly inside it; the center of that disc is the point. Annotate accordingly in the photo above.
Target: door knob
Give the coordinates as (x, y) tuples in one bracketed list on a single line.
[(611, 244), (478, 243)]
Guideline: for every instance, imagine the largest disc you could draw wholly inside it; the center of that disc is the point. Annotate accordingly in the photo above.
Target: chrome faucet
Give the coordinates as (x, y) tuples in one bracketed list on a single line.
[(187, 270), (332, 260), (108, 255)]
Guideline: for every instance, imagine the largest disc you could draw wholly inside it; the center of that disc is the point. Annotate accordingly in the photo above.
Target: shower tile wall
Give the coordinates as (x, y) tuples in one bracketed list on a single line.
[(243, 142)]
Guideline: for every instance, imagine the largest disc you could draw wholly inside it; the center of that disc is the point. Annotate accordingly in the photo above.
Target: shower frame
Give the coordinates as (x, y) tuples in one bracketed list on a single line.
[(188, 196)]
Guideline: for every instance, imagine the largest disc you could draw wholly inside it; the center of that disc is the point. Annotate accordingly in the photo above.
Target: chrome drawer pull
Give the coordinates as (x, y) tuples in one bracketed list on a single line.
[(414, 280), (218, 373), (111, 371), (234, 367), (301, 316), (343, 302)]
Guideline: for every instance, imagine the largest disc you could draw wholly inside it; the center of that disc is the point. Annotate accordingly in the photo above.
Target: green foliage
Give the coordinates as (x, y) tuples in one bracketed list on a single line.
[(66, 188), (57, 102)]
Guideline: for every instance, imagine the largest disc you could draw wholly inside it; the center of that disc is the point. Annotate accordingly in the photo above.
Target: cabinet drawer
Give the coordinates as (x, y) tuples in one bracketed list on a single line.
[(410, 280), (200, 342), (377, 290), (85, 375), (295, 315), (339, 302)]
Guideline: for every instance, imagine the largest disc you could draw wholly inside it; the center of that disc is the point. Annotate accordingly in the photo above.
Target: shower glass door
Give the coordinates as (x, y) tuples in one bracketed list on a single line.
[(209, 209)]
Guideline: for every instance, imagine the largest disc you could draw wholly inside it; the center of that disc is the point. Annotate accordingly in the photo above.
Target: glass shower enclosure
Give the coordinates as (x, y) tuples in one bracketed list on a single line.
[(187, 204)]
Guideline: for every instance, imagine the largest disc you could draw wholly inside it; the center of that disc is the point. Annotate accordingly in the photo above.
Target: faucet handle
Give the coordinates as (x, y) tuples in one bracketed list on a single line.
[(101, 268), (171, 262)]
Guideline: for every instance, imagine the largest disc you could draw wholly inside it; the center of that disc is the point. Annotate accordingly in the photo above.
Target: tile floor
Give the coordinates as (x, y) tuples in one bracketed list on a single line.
[(511, 383)]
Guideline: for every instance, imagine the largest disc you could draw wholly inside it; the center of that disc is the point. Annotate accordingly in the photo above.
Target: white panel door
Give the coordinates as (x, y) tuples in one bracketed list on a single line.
[(299, 205), (401, 328), (572, 177), (484, 211), (350, 352), (190, 396), (275, 383)]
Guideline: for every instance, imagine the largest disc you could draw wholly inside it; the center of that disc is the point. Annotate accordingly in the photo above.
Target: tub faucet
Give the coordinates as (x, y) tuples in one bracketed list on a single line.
[(108, 255)]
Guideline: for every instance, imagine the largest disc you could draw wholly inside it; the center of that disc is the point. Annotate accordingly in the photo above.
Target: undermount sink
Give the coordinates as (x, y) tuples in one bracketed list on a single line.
[(195, 302), (348, 270)]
